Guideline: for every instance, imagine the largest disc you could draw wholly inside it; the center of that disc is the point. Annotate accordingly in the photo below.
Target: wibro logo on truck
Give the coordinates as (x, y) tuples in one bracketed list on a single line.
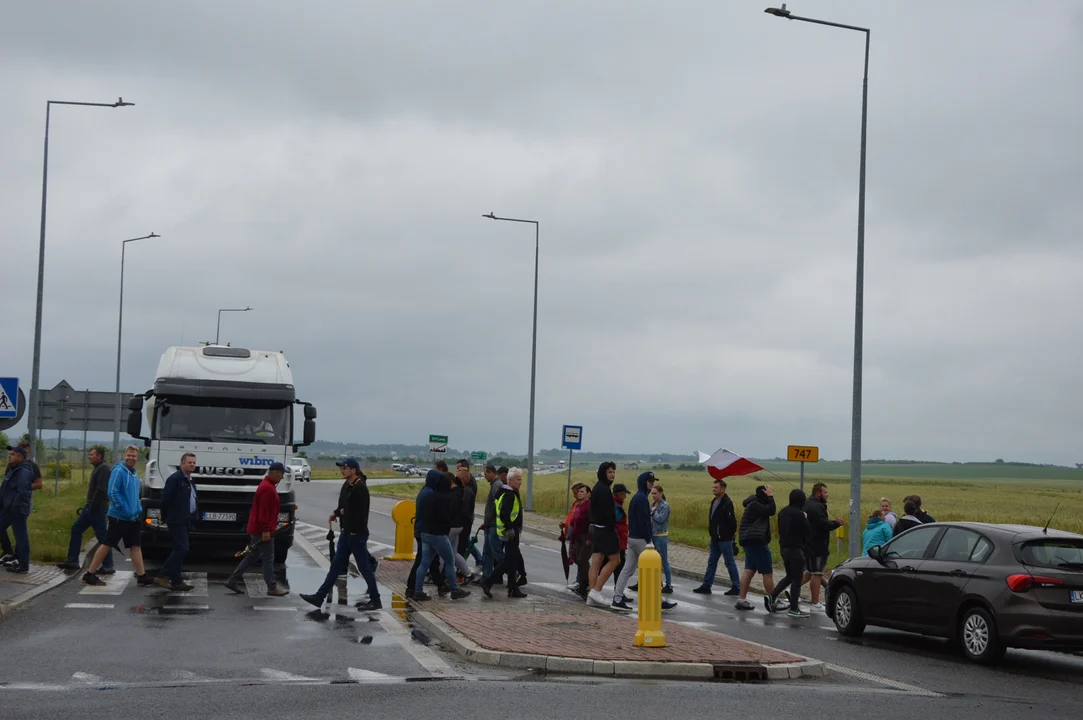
[(256, 460)]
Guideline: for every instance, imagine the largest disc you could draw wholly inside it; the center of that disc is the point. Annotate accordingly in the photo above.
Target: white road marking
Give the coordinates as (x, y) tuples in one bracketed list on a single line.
[(114, 584), (86, 678), (89, 606), (869, 677), (198, 581), (425, 657), (255, 586), (184, 608), (318, 557), (283, 676), (369, 675), (281, 608)]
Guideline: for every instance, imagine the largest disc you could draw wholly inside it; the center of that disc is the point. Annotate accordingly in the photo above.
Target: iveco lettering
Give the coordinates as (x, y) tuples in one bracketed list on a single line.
[(234, 408)]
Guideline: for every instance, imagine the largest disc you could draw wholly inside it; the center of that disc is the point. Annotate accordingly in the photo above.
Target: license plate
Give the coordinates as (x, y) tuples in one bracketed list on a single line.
[(221, 517), (1077, 596)]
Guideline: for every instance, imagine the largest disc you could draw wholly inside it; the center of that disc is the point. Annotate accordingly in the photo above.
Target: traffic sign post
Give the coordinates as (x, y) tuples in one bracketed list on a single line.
[(479, 456), (802, 454), (572, 439), (438, 444)]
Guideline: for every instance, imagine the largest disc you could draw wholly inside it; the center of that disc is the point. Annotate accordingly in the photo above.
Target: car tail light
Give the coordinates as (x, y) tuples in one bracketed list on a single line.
[(1024, 582)]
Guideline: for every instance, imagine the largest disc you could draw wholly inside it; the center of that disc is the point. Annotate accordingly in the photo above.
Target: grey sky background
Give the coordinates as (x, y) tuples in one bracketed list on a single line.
[(694, 168)]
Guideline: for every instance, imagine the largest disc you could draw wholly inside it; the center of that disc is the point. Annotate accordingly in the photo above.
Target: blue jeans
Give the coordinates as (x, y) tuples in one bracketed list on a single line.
[(493, 554), (661, 544), (171, 568), (464, 544), (439, 546), (358, 546), (88, 519), (14, 519), (721, 549)]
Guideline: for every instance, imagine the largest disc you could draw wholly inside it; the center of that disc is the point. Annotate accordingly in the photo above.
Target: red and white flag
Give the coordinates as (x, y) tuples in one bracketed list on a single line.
[(725, 464)]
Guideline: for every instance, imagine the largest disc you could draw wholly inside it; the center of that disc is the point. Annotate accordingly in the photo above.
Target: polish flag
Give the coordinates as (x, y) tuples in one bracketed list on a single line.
[(725, 464)]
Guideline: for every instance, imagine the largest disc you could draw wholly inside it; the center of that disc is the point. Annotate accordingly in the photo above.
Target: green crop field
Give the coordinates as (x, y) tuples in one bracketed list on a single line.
[(1024, 501)]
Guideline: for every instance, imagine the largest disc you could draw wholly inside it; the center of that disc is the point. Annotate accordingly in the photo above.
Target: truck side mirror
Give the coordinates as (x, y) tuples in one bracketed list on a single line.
[(310, 430), (135, 423), (310, 412), (135, 403)]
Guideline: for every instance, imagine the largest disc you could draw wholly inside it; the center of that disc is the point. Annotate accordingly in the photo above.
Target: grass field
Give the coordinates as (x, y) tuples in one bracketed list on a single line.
[(1027, 502)]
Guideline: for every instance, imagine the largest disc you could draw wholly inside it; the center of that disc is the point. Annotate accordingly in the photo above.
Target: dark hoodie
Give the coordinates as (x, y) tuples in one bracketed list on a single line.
[(603, 510), (822, 525), (794, 529), (639, 510), (756, 520), (432, 505)]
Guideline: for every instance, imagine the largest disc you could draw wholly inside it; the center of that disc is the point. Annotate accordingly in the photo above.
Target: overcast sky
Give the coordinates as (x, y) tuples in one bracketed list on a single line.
[(694, 167)]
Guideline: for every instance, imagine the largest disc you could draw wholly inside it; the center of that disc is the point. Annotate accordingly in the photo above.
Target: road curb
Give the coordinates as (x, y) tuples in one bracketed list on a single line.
[(741, 672), (9, 606)]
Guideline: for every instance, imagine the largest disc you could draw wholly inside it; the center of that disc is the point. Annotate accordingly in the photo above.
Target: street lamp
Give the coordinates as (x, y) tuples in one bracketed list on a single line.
[(120, 327), (855, 435), (33, 419), (219, 330), (529, 505)]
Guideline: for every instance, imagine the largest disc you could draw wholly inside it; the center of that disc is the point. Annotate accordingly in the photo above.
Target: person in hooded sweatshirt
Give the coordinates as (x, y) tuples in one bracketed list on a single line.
[(434, 524), (910, 519), (794, 532), (639, 536), (877, 532), (755, 537), (605, 545)]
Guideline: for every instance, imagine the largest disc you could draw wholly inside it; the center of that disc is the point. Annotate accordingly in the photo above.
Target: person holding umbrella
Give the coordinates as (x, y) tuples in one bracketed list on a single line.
[(262, 526)]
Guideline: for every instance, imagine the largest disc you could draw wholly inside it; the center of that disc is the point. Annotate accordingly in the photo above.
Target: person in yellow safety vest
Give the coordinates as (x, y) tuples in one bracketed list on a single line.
[(509, 527)]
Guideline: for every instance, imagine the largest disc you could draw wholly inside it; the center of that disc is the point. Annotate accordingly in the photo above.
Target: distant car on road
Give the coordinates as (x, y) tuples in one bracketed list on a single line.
[(985, 587), (302, 471)]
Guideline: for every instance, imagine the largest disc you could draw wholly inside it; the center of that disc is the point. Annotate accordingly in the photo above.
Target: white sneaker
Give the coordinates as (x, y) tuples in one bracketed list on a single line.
[(816, 607), (596, 599)]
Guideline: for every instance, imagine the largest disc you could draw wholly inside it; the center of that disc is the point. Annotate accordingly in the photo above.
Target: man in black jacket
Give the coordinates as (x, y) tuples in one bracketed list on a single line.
[(433, 523), (354, 540), (493, 553), (722, 524), (794, 532), (179, 502), (605, 556), (755, 538), (93, 514), (509, 526), (819, 544)]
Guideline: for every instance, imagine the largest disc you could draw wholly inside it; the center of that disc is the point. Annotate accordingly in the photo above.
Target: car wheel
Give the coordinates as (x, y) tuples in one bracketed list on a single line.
[(978, 637), (847, 614)]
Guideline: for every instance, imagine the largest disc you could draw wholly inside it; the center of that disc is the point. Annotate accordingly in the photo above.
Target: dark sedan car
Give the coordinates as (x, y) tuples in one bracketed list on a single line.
[(986, 587)]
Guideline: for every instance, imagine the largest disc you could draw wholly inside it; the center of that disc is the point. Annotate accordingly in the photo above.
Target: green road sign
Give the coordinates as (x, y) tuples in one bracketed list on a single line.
[(479, 456)]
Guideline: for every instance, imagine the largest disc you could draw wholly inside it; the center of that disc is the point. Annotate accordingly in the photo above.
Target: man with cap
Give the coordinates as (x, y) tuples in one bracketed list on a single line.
[(262, 522), (15, 493), (354, 512)]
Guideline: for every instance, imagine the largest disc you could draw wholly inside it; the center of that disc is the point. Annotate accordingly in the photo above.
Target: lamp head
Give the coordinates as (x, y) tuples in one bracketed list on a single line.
[(491, 216), (781, 12), (120, 103)]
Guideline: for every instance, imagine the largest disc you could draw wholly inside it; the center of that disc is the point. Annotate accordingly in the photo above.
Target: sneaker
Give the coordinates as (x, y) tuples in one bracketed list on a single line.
[(621, 604), (106, 571), (277, 592), (18, 569), (443, 590), (596, 599), (798, 613), (668, 605), (816, 607), (370, 606), (742, 605), (702, 590), (634, 588), (420, 597), (733, 591), (6, 559), (92, 579), (487, 588), (144, 580), (574, 587), (626, 599), (69, 566), (182, 587), (768, 604), (313, 600), (516, 593), (667, 590), (236, 587), (163, 582), (460, 594)]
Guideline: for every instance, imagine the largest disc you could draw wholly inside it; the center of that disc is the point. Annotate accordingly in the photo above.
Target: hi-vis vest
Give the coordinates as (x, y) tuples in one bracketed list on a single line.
[(515, 510)]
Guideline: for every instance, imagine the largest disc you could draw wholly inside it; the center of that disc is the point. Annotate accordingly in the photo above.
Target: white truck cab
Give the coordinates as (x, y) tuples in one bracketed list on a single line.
[(233, 408)]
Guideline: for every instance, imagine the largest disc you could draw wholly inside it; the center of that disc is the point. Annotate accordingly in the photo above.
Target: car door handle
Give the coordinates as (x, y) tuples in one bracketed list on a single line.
[(958, 573), (908, 568)]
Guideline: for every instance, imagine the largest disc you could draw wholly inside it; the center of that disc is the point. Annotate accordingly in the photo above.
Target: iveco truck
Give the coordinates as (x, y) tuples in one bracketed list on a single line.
[(233, 408)]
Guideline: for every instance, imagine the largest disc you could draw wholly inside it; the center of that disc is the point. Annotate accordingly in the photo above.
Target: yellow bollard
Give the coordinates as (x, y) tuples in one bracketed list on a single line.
[(403, 515), (650, 600)]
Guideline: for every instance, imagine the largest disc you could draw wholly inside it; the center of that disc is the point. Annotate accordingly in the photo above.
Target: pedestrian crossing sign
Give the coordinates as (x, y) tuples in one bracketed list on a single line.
[(9, 397)]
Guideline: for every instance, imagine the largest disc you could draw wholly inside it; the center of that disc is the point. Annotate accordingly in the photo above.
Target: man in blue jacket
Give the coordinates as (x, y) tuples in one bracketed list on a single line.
[(125, 509), (178, 511), (639, 535), (15, 493)]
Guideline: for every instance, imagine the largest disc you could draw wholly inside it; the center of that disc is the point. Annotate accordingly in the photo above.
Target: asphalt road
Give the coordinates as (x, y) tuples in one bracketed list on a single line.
[(148, 654)]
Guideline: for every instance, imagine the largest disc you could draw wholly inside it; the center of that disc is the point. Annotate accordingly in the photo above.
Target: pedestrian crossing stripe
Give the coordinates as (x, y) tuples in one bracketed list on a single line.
[(90, 606), (114, 584)]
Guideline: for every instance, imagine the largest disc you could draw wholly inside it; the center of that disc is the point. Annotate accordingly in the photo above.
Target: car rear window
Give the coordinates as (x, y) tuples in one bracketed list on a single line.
[(1053, 553)]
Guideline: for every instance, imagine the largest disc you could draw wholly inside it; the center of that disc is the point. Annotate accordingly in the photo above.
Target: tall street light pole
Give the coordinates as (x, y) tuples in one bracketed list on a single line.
[(218, 332), (529, 505), (120, 328), (34, 418), (855, 434)]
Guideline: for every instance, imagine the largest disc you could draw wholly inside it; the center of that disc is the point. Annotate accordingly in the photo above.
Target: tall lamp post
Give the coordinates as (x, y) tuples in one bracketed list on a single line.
[(529, 505), (218, 332), (34, 418), (855, 435), (120, 328)]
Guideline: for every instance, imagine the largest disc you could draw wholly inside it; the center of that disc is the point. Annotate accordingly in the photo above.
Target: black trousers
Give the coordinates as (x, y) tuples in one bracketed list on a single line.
[(794, 562), (512, 564)]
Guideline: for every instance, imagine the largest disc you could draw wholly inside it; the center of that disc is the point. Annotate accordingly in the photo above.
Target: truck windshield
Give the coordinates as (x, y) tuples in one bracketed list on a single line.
[(217, 423)]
